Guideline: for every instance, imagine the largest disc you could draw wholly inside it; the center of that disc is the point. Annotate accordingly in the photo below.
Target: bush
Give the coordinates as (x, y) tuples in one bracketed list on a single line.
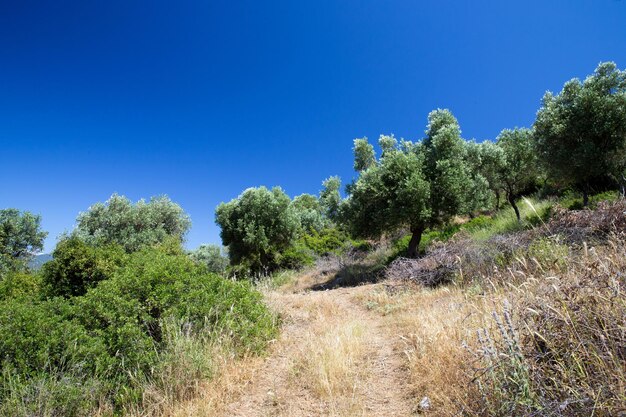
[(19, 285), (40, 336), (116, 336), (325, 241), (214, 257), (296, 257), (77, 266)]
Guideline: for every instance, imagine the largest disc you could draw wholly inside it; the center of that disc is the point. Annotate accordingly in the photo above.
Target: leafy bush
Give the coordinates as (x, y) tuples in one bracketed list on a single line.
[(296, 257), (77, 266), (117, 335), (37, 336), (19, 285), (325, 241)]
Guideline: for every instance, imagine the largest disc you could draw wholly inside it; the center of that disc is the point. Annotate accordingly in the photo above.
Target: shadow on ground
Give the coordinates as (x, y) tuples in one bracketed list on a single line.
[(350, 276)]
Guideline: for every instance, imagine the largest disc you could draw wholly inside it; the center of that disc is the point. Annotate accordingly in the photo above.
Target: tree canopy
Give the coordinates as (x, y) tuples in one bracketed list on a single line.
[(20, 238), (581, 132), (520, 169), (132, 226), (257, 226), (390, 194)]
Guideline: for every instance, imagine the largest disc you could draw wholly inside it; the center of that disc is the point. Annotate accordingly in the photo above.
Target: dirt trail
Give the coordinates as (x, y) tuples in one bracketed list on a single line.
[(334, 357)]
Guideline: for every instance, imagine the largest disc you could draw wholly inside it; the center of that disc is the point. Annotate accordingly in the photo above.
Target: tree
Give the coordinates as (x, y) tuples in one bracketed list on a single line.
[(390, 195), (20, 238), (480, 188), (446, 168), (492, 164), (413, 185), (581, 132), (364, 156), (520, 170), (330, 198), (214, 257), (310, 212), (133, 226), (257, 226)]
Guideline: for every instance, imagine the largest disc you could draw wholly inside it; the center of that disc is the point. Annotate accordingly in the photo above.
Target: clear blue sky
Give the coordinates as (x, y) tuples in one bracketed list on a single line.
[(202, 99)]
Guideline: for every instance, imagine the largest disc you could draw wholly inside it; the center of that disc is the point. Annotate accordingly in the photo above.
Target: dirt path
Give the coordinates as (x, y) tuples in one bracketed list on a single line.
[(334, 357)]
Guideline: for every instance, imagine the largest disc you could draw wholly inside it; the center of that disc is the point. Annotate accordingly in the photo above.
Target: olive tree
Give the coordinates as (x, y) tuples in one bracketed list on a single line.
[(481, 187), (330, 198), (581, 132), (520, 170), (214, 257), (389, 195), (257, 226), (414, 185), (20, 238), (364, 155), (310, 213), (446, 168), (492, 165), (132, 226)]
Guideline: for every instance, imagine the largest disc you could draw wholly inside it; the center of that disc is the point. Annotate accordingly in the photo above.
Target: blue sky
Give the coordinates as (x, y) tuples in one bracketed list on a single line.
[(202, 99)]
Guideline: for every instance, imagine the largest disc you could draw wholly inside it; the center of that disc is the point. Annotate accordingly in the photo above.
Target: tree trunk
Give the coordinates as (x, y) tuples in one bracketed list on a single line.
[(497, 199), (414, 243), (511, 199), (585, 197)]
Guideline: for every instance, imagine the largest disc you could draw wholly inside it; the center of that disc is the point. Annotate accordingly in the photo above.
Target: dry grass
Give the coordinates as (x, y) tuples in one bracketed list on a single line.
[(557, 347), (328, 365), (435, 327)]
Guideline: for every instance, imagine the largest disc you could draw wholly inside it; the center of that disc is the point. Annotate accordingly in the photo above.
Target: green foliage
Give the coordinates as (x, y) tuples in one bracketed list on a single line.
[(20, 285), (446, 168), (20, 237), (532, 213), (573, 202), (132, 226), (77, 266), (117, 334), (482, 183), (389, 195), (491, 164), (257, 226), (296, 256), (364, 156), (549, 252), (330, 198), (325, 241), (581, 132), (36, 336), (214, 257), (309, 211), (520, 171)]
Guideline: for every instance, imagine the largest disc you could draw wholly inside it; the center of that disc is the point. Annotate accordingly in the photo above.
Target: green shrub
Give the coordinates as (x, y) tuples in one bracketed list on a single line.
[(20, 285), (50, 394), (325, 241), (296, 257), (42, 335), (118, 334), (77, 266), (549, 252)]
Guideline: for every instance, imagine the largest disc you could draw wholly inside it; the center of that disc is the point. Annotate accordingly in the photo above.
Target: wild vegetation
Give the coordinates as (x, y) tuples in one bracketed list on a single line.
[(474, 308)]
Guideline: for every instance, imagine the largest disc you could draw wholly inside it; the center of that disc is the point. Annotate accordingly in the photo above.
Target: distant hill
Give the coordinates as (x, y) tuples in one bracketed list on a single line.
[(36, 263)]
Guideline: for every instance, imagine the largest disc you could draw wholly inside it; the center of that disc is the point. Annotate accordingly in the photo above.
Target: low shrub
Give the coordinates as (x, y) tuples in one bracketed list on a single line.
[(118, 335), (20, 285), (77, 266)]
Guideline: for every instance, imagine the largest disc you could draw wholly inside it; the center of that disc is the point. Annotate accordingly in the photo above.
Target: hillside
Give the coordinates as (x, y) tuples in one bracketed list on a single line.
[(536, 328)]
